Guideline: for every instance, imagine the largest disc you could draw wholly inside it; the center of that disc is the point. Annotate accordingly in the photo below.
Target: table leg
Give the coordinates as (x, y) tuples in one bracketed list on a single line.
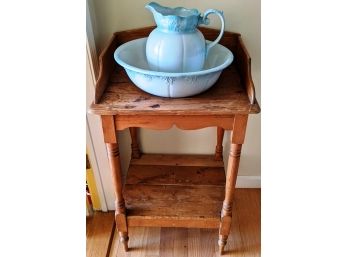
[(237, 140), (110, 139), (231, 177), (219, 149), (135, 146)]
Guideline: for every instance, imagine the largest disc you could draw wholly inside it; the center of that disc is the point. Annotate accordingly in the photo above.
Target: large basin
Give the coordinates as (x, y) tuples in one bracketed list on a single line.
[(132, 57)]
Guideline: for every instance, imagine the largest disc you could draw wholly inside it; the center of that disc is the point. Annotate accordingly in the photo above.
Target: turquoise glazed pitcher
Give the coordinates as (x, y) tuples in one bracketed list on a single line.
[(176, 45)]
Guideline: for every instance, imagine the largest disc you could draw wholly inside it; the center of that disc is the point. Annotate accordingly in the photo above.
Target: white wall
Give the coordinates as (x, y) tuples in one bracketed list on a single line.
[(241, 16)]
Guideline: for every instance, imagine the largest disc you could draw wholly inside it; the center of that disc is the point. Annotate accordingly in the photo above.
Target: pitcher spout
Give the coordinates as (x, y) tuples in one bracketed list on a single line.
[(177, 19), (152, 7)]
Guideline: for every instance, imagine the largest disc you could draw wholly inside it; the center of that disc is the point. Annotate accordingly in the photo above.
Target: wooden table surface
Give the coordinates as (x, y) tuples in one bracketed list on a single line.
[(226, 97)]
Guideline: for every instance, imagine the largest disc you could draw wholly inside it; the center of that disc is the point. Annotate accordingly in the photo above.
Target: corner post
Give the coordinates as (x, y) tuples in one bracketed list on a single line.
[(110, 139), (236, 141), (135, 146), (219, 148)]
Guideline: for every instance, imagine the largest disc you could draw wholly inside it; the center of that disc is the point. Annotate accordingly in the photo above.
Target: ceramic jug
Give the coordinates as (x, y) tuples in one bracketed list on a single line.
[(176, 45)]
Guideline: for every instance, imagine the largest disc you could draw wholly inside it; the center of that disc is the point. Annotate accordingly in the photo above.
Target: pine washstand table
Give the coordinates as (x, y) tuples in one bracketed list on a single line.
[(162, 190)]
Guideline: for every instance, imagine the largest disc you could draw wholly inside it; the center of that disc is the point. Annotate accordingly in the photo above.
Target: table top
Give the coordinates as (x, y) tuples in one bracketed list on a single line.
[(226, 97), (230, 95)]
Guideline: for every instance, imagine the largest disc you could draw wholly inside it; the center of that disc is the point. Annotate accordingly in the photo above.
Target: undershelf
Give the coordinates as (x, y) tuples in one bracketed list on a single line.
[(174, 191)]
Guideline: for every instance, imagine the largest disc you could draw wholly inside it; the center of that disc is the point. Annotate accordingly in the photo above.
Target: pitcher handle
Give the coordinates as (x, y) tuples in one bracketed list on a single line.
[(205, 20)]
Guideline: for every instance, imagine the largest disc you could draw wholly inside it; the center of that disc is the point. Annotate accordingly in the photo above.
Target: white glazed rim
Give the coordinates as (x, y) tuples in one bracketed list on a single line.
[(125, 65)]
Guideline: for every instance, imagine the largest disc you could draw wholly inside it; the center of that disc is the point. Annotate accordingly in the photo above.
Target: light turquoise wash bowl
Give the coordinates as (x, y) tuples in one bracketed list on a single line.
[(132, 57)]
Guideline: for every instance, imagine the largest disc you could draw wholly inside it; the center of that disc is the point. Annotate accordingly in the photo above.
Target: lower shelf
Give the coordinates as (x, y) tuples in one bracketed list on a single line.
[(165, 191)]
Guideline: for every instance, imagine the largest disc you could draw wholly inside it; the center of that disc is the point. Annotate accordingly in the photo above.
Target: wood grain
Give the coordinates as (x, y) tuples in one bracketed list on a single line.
[(239, 129), (109, 130), (165, 195), (218, 149), (231, 40), (110, 139), (152, 237), (174, 175), (236, 141), (99, 232), (244, 239), (106, 66), (194, 243), (249, 222), (137, 244), (208, 242), (173, 221), (243, 64), (180, 242), (180, 194), (114, 247), (135, 146), (173, 201), (235, 246), (120, 210), (178, 160), (167, 242), (186, 122), (226, 97)]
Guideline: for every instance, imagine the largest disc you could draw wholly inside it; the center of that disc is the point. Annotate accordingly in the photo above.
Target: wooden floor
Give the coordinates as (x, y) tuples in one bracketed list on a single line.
[(244, 239)]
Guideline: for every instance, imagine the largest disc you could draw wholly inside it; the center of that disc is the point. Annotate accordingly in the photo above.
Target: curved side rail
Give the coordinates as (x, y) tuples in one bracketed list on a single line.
[(243, 62), (106, 66)]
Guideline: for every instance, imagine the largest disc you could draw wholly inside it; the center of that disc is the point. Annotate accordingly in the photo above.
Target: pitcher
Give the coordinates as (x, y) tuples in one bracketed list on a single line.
[(176, 45)]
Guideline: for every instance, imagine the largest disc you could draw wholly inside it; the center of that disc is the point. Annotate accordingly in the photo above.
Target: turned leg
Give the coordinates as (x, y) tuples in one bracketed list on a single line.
[(110, 139), (135, 147), (218, 149), (231, 177), (237, 139)]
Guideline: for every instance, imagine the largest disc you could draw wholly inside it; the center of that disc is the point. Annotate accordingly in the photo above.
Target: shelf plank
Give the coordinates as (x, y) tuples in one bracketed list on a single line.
[(178, 160), (160, 191), (196, 201), (173, 206), (173, 175), (172, 222)]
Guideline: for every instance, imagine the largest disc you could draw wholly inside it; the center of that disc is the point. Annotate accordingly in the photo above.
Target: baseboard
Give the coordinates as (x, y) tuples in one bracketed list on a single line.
[(248, 182)]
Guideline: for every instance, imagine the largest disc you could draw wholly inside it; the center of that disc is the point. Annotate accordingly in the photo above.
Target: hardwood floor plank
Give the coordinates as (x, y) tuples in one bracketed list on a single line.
[(194, 242), (248, 211), (177, 160), (152, 247), (138, 244), (208, 240), (234, 246), (135, 244), (114, 245), (99, 232), (167, 242), (180, 242)]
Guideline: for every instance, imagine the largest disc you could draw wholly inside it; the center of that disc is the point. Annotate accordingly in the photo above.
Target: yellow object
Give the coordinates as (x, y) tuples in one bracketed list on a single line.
[(92, 186)]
